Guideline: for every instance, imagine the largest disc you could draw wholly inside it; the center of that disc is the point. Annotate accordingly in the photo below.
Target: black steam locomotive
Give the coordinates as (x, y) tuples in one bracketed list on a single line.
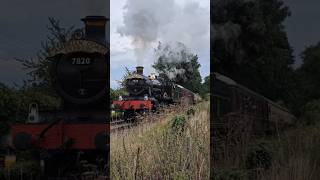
[(150, 92), (80, 130)]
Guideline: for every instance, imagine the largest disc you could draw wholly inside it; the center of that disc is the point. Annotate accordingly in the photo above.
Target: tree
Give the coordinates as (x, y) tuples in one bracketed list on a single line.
[(121, 91), (115, 93), (14, 103), (250, 45), (39, 67), (124, 78), (307, 77), (38, 88), (179, 64), (206, 85), (8, 103)]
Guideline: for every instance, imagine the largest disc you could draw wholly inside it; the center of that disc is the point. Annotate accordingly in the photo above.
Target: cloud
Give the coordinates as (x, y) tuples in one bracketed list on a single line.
[(11, 72)]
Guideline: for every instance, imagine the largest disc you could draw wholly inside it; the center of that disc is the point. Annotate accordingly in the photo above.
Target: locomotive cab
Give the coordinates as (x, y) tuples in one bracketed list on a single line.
[(137, 85)]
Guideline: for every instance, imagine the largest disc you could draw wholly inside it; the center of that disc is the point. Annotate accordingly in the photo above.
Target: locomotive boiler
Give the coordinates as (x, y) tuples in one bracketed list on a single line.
[(80, 129)]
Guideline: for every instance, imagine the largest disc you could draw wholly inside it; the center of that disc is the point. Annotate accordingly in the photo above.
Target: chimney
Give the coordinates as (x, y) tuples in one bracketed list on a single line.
[(139, 70), (95, 27)]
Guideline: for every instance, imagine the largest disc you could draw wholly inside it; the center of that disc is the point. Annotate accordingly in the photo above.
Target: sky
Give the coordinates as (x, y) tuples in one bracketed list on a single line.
[(303, 27), (23, 27)]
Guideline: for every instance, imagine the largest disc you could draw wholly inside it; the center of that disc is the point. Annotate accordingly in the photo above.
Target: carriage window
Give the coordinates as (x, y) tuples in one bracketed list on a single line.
[(221, 106), (218, 108)]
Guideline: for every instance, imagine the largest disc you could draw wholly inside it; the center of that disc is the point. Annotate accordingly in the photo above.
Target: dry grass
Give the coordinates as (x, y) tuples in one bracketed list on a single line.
[(153, 150), (296, 155)]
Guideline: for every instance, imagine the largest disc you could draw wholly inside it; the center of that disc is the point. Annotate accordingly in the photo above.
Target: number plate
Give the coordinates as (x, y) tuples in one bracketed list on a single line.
[(81, 61)]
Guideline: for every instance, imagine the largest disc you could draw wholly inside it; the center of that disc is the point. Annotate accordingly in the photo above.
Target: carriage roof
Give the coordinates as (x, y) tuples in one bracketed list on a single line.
[(231, 82)]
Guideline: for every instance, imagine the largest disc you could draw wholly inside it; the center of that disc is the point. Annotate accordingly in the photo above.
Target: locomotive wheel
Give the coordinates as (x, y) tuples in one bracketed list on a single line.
[(129, 115)]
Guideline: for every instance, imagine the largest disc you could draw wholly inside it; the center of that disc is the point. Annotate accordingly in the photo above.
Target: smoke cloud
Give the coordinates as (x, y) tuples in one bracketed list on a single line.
[(142, 21), (226, 31), (149, 21), (175, 58)]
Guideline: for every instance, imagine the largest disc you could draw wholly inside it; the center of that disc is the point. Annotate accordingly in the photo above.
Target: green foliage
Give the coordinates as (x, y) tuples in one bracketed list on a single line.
[(259, 156), (8, 103), (40, 67), (116, 114), (14, 103), (308, 78), (45, 101), (179, 64), (205, 88), (190, 112), (311, 112), (178, 123), (206, 84), (124, 78), (115, 93), (250, 45)]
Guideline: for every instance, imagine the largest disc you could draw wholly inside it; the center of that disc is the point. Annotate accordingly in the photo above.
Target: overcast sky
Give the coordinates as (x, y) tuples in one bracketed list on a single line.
[(303, 27), (23, 27)]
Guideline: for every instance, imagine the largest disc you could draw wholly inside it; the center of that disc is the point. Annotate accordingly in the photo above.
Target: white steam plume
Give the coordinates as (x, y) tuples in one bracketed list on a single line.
[(149, 21), (176, 57), (142, 20)]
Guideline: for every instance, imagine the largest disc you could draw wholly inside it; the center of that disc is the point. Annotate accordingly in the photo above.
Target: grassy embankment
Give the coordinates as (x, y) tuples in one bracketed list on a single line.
[(295, 155), (290, 155), (173, 146)]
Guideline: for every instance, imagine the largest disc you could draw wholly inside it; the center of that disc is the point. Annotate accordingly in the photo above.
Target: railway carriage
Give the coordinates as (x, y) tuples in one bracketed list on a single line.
[(234, 102)]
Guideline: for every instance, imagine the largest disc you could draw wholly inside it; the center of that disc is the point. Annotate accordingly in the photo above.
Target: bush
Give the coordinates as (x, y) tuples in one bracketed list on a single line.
[(178, 123), (14, 103), (259, 156), (311, 112), (8, 103), (191, 112)]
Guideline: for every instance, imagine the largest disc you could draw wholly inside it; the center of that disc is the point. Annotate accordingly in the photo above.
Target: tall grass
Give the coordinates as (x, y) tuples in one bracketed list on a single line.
[(296, 155), (293, 154), (157, 149)]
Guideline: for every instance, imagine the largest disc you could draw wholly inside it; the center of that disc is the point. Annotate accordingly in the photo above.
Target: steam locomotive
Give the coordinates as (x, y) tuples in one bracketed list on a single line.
[(147, 93), (80, 130)]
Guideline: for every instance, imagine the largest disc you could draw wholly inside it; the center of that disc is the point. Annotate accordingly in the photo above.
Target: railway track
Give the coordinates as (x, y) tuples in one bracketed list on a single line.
[(122, 124)]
